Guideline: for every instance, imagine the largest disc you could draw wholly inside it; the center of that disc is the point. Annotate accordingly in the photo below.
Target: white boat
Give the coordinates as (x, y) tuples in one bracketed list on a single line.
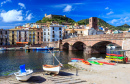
[(23, 76), (52, 68), (92, 58)]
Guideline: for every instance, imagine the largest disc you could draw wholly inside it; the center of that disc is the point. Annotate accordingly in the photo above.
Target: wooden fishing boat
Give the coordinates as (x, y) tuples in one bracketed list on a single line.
[(86, 62), (52, 68), (23, 74), (106, 63)]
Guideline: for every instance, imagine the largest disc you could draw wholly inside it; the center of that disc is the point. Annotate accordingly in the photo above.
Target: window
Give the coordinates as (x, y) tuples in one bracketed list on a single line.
[(38, 33), (12, 32), (81, 32), (44, 29), (53, 32), (53, 39), (33, 36), (1, 32), (53, 36), (29, 40), (5, 32), (90, 20), (60, 36), (60, 32), (44, 39), (48, 33), (53, 28), (94, 20), (29, 36), (44, 33), (60, 28)]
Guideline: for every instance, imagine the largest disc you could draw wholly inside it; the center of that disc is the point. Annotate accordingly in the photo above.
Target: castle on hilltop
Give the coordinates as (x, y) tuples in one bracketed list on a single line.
[(51, 16)]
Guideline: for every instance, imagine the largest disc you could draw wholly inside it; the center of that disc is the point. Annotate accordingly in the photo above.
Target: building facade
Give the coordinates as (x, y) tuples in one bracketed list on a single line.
[(4, 37), (52, 33)]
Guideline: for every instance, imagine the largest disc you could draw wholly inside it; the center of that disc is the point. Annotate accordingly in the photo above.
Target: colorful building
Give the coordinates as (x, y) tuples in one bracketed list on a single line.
[(4, 37), (52, 33)]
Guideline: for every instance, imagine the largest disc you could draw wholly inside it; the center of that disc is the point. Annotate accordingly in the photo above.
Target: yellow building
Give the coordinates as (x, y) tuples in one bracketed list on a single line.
[(78, 32), (12, 36)]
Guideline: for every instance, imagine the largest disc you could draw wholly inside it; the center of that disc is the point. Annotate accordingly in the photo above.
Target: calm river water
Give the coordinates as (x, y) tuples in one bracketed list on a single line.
[(11, 60)]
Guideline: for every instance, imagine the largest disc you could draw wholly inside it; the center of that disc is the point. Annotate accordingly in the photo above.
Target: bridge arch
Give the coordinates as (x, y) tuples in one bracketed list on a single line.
[(100, 47), (66, 46), (79, 45)]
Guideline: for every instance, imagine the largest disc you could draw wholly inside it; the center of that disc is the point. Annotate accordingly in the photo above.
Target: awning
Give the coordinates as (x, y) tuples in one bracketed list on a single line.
[(21, 42)]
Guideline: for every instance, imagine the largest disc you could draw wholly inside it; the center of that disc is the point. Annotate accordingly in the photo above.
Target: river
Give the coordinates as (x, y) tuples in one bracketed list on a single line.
[(11, 60)]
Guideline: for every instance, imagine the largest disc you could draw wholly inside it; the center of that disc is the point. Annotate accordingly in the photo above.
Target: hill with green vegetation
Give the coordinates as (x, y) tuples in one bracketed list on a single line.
[(100, 23), (105, 24), (62, 19), (123, 27), (59, 19)]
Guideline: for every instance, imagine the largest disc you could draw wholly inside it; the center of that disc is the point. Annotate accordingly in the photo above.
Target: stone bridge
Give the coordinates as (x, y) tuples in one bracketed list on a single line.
[(96, 43)]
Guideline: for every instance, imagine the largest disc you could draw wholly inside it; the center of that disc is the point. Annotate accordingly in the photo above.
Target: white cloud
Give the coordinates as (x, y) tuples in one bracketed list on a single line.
[(111, 12), (121, 20), (29, 17), (12, 15), (113, 21), (107, 8), (68, 8), (4, 2), (22, 5)]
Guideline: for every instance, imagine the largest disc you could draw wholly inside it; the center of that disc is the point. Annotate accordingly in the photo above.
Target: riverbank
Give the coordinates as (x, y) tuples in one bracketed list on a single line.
[(94, 74)]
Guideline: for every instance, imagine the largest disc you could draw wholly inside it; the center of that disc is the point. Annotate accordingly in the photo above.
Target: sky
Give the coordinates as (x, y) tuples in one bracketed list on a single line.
[(19, 12)]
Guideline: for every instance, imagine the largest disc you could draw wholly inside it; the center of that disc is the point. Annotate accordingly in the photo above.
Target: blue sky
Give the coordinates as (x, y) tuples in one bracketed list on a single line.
[(19, 12)]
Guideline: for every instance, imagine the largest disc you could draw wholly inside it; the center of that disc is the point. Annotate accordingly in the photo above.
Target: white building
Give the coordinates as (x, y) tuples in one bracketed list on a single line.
[(52, 33)]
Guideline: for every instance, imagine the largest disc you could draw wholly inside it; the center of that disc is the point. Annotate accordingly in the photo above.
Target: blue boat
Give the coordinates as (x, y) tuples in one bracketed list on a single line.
[(45, 48), (2, 49), (74, 60)]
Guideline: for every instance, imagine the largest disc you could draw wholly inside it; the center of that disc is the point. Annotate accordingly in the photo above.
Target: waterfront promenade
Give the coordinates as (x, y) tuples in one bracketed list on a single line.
[(94, 74)]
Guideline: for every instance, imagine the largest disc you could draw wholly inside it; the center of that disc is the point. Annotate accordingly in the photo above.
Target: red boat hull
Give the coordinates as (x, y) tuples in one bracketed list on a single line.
[(86, 62), (77, 59), (106, 63)]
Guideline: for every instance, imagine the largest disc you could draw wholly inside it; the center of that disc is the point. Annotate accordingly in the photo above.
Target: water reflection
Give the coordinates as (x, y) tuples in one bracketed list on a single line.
[(11, 60)]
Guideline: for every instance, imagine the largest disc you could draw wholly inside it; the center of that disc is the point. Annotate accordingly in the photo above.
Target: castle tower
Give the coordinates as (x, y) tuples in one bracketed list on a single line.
[(45, 14), (93, 23), (64, 15)]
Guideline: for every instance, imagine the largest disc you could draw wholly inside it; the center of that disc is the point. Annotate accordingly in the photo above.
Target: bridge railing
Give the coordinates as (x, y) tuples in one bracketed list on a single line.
[(102, 36)]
